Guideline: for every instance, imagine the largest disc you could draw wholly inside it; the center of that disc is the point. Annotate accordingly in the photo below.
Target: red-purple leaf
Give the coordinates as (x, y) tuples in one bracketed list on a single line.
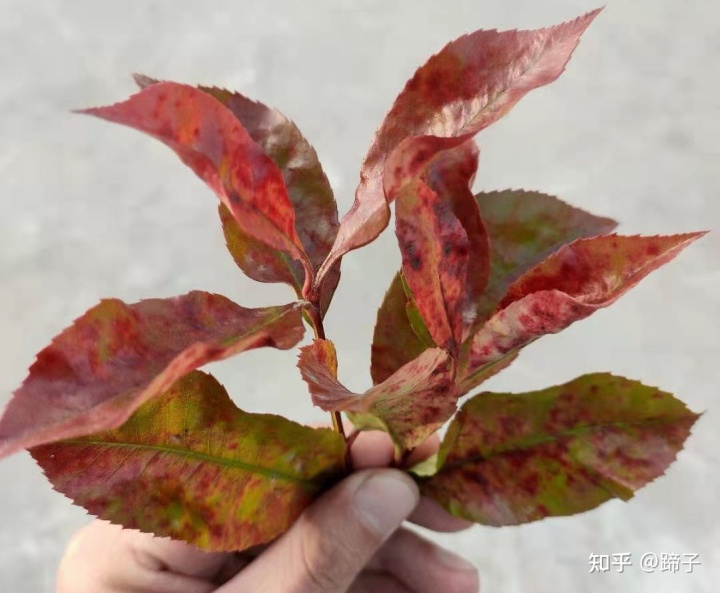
[(451, 175), (472, 82), (117, 356), (212, 142), (435, 251), (513, 458), (571, 284), (598, 270), (411, 404), (190, 465), (526, 227), (401, 333), (394, 341), (316, 216)]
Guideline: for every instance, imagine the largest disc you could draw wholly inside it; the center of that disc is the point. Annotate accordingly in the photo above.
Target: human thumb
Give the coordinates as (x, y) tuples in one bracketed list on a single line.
[(335, 538)]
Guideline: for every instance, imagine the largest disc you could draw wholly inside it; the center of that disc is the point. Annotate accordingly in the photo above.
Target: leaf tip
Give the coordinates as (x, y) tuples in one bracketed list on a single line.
[(694, 236), (589, 17), (144, 81)]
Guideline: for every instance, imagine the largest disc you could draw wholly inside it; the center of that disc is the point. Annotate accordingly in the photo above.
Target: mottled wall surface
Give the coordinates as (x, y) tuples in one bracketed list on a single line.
[(90, 210)]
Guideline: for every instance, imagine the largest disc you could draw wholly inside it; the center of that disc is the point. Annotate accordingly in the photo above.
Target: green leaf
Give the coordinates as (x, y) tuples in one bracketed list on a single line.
[(412, 403), (514, 458), (117, 356), (395, 341), (190, 465)]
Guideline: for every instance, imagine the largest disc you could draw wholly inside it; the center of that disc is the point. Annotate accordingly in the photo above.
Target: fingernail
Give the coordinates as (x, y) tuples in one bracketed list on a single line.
[(384, 500), (453, 561)]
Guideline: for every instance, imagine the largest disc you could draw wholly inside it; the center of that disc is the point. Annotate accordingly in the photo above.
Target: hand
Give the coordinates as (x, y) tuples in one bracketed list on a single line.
[(350, 539)]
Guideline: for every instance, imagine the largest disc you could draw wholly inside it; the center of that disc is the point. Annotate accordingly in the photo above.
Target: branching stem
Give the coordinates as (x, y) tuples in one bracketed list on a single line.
[(314, 313)]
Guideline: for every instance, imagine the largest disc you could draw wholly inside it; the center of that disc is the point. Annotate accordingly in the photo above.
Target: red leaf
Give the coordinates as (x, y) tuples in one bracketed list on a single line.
[(435, 251), (316, 217), (599, 270), (213, 143), (190, 465), (451, 175), (472, 82), (411, 404), (395, 342), (117, 356), (568, 286), (513, 458), (401, 333), (526, 227)]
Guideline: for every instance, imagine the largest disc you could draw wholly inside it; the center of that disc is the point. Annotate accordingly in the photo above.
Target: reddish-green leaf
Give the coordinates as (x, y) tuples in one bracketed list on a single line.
[(256, 259), (117, 356), (190, 465), (571, 284), (435, 251), (526, 227), (513, 458), (469, 84), (212, 142), (316, 217), (598, 270), (395, 343), (411, 404)]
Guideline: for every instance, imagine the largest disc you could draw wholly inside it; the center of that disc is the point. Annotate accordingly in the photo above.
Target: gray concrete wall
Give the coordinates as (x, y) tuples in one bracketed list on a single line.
[(90, 210)]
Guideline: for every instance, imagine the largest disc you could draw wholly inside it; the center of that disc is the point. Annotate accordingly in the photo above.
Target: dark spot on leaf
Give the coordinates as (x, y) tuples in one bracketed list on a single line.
[(419, 159), (531, 483), (414, 260)]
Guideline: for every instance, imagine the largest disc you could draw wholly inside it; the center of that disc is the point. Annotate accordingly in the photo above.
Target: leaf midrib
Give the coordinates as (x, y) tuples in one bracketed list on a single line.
[(196, 455), (550, 438)]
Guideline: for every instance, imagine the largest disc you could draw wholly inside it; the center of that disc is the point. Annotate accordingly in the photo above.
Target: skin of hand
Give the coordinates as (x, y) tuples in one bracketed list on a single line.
[(350, 540)]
